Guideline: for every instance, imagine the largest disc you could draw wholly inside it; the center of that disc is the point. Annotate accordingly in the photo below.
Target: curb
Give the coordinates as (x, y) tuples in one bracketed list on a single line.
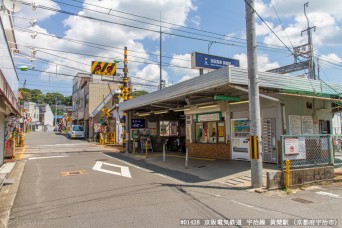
[(8, 192)]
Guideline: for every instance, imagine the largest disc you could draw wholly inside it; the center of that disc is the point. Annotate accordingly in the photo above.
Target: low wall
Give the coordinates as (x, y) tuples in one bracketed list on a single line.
[(208, 150), (298, 177)]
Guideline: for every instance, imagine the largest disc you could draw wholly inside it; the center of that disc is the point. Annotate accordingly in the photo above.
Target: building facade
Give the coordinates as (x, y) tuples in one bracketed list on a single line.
[(9, 106), (46, 118), (88, 92), (32, 115)]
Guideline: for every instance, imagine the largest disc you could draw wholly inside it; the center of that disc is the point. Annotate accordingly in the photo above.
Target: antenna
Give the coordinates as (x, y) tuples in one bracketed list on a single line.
[(13, 5)]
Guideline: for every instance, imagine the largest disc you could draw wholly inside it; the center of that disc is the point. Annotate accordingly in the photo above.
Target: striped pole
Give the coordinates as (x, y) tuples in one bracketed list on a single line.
[(125, 97)]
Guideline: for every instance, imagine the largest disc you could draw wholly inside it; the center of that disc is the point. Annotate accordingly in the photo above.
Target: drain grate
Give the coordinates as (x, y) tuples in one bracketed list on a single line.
[(301, 200), (73, 173)]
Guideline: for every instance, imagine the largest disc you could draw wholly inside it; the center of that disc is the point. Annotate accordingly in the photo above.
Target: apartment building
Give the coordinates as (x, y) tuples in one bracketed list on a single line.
[(89, 91)]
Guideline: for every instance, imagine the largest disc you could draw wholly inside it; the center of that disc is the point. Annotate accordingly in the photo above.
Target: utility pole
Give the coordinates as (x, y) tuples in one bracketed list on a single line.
[(125, 96), (254, 100), (56, 114), (160, 56), (311, 52)]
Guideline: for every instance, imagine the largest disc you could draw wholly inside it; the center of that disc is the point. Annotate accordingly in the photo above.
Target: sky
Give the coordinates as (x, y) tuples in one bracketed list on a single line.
[(69, 34)]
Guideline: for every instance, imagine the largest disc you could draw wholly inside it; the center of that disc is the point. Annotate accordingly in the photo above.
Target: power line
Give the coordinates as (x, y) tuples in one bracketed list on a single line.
[(269, 27), (164, 22), (133, 26)]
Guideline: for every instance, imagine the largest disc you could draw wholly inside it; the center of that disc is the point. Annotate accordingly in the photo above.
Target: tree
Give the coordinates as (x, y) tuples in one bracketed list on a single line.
[(139, 93)]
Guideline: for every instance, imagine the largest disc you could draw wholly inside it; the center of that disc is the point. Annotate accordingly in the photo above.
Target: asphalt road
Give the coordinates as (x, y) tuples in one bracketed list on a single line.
[(73, 183)]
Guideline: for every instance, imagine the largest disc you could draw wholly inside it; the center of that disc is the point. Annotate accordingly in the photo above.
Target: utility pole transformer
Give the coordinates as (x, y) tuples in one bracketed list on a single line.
[(254, 100)]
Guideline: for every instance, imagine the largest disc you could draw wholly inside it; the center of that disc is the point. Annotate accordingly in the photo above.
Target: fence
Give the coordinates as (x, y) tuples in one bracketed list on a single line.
[(311, 150), (337, 147)]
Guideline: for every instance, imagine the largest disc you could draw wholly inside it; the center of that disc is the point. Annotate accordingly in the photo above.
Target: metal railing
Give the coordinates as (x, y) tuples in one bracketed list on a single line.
[(307, 150)]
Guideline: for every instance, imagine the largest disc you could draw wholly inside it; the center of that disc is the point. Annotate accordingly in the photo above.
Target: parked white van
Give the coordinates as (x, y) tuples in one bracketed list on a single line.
[(76, 131)]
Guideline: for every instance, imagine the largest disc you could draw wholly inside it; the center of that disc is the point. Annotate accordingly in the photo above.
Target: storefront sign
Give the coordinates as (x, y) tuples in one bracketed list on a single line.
[(291, 146), (137, 123), (200, 60), (209, 117)]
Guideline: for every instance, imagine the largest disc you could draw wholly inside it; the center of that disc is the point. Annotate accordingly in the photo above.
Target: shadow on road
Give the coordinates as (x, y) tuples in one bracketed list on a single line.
[(182, 176)]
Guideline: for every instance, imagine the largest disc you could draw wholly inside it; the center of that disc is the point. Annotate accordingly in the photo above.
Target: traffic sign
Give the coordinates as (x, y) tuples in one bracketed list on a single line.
[(103, 68)]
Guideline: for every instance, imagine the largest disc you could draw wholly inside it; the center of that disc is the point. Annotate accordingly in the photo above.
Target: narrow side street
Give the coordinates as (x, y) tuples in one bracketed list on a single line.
[(74, 183)]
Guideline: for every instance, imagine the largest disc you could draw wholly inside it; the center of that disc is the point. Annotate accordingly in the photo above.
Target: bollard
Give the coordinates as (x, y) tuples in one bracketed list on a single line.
[(164, 152), (22, 139), (101, 139), (133, 147), (186, 157), (146, 147), (287, 174)]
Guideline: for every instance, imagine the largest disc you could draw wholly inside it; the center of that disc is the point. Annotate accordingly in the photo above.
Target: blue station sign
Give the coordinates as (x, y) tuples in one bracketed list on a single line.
[(137, 123), (200, 60)]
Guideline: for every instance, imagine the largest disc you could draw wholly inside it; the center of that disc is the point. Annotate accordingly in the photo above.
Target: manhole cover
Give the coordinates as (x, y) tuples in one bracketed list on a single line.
[(200, 166), (73, 173), (301, 200)]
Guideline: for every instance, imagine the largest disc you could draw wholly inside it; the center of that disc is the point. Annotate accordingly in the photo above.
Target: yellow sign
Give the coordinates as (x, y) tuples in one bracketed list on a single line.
[(103, 68), (106, 112)]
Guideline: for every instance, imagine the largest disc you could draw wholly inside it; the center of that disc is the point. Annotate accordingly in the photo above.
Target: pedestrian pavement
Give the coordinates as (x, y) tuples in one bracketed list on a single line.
[(233, 173)]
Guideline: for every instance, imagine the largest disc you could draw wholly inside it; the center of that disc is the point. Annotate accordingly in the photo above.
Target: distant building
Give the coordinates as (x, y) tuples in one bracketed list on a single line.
[(46, 118), (32, 116)]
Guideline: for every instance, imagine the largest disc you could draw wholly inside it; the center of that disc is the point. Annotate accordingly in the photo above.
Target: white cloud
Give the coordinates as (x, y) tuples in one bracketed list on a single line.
[(264, 63), (325, 15), (149, 75), (39, 14), (112, 36), (333, 57), (196, 21), (182, 65)]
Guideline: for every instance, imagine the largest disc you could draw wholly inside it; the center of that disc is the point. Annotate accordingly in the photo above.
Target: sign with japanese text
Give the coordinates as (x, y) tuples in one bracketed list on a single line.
[(291, 146), (137, 123), (200, 60)]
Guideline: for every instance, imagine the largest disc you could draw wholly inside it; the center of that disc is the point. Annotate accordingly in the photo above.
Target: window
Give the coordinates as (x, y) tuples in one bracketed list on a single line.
[(168, 128), (77, 128), (210, 132)]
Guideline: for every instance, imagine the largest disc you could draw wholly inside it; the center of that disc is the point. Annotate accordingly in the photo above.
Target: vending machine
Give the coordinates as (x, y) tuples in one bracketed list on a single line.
[(240, 139)]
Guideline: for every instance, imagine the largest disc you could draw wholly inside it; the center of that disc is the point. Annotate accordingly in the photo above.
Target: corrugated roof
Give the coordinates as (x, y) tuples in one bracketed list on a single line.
[(235, 76)]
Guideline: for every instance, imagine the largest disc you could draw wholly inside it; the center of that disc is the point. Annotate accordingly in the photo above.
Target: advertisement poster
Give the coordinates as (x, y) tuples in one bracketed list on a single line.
[(291, 146), (307, 125), (153, 128), (295, 125)]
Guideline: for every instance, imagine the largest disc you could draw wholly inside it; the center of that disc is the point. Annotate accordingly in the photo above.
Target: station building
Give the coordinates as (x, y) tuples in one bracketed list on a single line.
[(209, 114)]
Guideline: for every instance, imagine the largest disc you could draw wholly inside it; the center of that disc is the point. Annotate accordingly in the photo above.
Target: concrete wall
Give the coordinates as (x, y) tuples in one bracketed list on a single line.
[(298, 177)]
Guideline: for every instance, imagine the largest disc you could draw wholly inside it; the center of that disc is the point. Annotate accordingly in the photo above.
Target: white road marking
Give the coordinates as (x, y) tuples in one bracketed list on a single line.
[(146, 170), (124, 170), (36, 158), (329, 194), (257, 208)]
